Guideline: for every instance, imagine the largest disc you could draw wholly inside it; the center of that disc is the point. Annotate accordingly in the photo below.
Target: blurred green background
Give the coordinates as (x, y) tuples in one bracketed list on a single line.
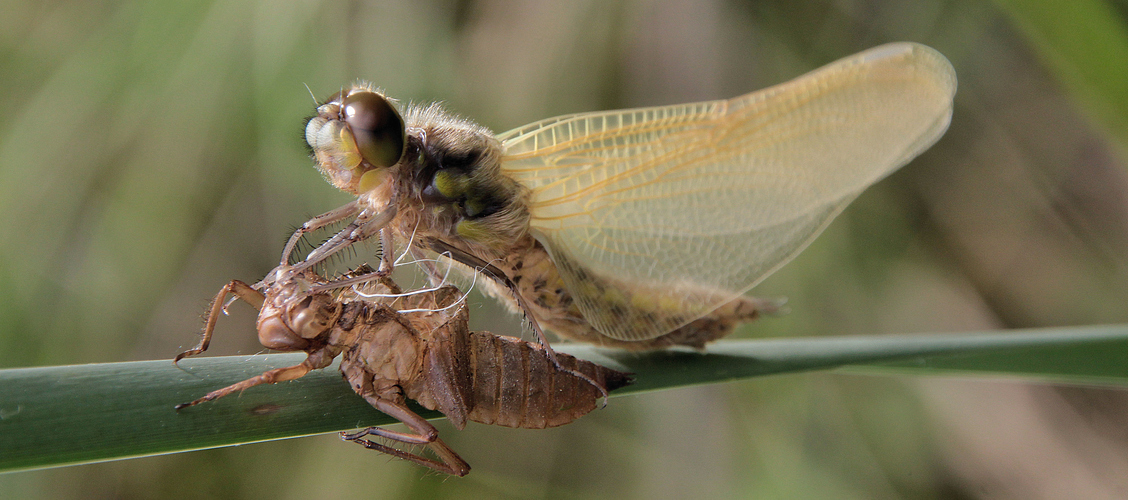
[(152, 151)]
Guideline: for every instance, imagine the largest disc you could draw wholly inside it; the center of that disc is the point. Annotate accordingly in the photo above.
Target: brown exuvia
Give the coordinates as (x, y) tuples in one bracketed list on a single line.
[(415, 345)]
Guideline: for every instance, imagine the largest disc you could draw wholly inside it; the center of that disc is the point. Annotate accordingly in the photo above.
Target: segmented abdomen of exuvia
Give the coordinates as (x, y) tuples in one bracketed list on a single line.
[(516, 385)]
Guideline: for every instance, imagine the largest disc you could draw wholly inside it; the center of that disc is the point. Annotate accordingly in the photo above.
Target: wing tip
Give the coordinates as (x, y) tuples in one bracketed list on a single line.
[(928, 58), (891, 50)]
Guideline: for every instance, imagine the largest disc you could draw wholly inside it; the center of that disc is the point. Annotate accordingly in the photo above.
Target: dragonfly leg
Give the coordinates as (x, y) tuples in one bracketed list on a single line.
[(451, 463), (328, 218), (423, 433), (242, 291), (365, 226), (267, 377)]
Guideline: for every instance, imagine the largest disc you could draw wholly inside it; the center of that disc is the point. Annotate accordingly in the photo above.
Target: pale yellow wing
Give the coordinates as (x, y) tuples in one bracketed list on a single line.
[(682, 208)]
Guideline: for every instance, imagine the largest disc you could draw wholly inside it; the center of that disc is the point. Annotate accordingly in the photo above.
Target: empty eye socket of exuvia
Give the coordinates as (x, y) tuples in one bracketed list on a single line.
[(376, 126)]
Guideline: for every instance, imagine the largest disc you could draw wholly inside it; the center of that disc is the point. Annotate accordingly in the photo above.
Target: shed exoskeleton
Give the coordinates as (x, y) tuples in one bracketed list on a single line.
[(416, 345)]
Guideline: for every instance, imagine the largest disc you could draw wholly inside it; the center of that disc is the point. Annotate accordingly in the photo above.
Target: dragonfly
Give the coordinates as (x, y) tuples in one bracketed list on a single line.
[(637, 229)]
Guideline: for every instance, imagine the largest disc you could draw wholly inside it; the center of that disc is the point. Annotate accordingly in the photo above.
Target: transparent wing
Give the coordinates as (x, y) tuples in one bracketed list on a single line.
[(685, 207)]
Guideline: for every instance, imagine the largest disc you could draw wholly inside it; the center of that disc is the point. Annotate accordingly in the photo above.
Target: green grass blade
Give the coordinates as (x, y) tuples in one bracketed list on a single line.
[(1087, 355), (54, 416)]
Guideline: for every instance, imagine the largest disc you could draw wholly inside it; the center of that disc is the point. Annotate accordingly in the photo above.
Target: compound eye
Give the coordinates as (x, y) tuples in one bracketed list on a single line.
[(376, 126)]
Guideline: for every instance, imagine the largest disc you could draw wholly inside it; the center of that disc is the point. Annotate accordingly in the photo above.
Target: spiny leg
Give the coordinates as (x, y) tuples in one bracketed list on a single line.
[(365, 226), (451, 463), (242, 291), (359, 279), (387, 253), (328, 218), (424, 434)]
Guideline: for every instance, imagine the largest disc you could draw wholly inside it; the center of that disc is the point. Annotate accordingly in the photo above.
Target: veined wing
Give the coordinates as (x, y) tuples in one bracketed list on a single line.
[(685, 207)]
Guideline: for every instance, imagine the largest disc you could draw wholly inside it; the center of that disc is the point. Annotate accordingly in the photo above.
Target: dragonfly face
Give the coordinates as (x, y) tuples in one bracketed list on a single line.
[(354, 133), (636, 228)]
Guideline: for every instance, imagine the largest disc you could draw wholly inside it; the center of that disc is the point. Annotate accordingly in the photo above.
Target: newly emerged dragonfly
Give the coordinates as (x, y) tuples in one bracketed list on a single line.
[(416, 345), (638, 228)]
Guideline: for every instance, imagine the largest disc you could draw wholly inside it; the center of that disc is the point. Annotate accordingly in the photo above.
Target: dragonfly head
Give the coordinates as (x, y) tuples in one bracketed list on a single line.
[(356, 136)]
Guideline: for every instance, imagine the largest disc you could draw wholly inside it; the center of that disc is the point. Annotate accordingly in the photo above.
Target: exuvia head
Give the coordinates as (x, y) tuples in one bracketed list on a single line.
[(356, 131), (291, 327)]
